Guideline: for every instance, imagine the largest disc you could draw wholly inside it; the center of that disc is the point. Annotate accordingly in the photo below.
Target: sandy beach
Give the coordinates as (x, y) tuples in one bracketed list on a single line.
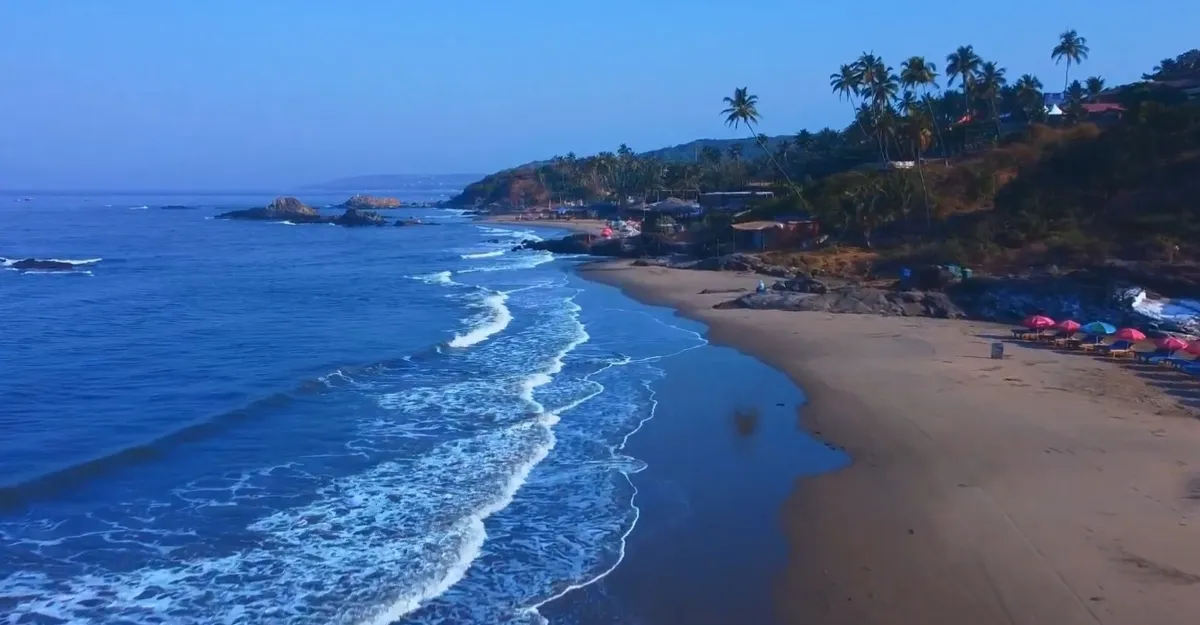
[(1045, 488)]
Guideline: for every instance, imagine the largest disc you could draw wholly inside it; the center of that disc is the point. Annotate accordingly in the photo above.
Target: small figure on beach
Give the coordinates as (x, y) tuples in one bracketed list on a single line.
[(762, 287)]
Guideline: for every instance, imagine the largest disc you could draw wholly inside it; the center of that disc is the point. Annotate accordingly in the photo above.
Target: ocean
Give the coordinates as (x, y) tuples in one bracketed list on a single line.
[(233, 422)]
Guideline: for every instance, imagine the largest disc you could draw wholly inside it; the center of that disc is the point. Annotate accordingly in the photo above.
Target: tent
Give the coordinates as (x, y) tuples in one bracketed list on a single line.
[(1054, 111)]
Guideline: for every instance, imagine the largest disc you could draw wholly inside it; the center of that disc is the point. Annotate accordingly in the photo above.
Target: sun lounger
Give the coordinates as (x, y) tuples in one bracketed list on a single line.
[(1156, 357), (1024, 333), (1118, 349)]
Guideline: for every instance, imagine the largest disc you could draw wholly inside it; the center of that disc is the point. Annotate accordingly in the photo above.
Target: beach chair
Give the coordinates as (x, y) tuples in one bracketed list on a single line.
[(1024, 334), (1060, 338), (1118, 349), (1156, 357)]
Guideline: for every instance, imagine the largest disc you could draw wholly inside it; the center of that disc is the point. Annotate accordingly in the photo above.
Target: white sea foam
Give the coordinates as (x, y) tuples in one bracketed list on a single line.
[(285, 222), (520, 261), (491, 254), (87, 261), (138, 208), (471, 548), (495, 320), (441, 277)]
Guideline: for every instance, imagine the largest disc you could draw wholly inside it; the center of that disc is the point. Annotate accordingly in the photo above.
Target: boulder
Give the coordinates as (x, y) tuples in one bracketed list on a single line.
[(354, 218), (43, 265), (282, 209), (851, 299), (801, 284), (371, 202)]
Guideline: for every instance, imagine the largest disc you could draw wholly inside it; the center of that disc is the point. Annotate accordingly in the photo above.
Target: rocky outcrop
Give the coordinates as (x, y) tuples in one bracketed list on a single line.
[(176, 207), (852, 299), (580, 243), (801, 284), (356, 218), (741, 262), (371, 202), (282, 209), (38, 264)]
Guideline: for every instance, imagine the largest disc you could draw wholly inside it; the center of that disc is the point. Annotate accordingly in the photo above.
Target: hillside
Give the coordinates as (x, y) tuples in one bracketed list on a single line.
[(1078, 196), (690, 151)]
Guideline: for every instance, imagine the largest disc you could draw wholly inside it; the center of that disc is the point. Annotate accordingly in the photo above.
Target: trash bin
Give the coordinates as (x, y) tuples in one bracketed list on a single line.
[(997, 350)]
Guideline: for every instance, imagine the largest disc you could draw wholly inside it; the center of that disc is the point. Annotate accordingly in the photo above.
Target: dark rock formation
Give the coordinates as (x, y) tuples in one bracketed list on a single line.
[(176, 207), (282, 209), (801, 284), (853, 299), (371, 202), (579, 243), (414, 222), (43, 265), (354, 218), (743, 262)]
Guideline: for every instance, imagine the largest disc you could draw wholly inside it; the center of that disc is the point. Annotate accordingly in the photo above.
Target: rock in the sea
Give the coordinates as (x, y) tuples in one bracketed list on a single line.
[(282, 209), (354, 218), (176, 207), (371, 202), (43, 265)]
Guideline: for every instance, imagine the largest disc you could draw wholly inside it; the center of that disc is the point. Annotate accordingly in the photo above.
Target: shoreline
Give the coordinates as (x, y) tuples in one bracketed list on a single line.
[(1042, 488), (583, 226)]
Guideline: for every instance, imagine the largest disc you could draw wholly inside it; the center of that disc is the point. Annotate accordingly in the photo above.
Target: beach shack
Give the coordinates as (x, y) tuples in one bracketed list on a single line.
[(732, 200), (784, 232)]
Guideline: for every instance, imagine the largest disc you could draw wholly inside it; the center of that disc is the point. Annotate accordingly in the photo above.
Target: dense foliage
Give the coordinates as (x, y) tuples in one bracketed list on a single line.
[(991, 182)]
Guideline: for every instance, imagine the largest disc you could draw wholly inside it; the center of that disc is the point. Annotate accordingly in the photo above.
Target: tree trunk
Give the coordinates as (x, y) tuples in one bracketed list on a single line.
[(936, 126), (770, 156), (924, 190), (996, 116), (1067, 77)]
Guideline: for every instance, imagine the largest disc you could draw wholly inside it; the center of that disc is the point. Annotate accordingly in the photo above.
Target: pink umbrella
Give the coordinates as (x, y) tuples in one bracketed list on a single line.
[(1171, 344), (1193, 348), (1130, 334), (1038, 322), (1069, 326)]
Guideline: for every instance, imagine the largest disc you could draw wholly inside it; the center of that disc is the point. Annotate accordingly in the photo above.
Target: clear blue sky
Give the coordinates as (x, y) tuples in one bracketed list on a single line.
[(267, 93)]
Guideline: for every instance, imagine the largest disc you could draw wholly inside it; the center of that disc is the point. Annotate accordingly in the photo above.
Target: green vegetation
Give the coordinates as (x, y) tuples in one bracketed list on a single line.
[(970, 173)]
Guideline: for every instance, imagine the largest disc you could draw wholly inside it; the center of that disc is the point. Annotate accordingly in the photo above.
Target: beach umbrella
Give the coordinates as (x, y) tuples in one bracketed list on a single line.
[(1193, 348), (1098, 328), (1038, 322), (1130, 334), (1171, 343), (1068, 325)]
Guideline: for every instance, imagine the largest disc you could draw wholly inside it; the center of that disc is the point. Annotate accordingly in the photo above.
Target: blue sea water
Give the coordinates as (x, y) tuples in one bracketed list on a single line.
[(231, 422), (244, 422)]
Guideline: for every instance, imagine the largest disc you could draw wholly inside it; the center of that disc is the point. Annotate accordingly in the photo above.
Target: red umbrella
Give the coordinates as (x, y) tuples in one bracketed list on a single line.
[(1171, 344), (1193, 348), (1038, 322), (1130, 334), (1068, 325)]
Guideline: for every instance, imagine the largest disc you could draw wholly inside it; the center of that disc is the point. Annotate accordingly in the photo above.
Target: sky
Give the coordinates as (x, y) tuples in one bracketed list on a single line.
[(257, 94)]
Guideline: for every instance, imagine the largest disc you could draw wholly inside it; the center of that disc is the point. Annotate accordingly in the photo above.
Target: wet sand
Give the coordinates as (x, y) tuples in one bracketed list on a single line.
[(1045, 488)]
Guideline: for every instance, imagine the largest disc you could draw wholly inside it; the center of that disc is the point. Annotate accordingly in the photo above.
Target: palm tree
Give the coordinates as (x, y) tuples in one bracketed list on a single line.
[(918, 73), (1095, 85), (1071, 47), (963, 64), (742, 108), (735, 152), (1029, 92), (1075, 95), (879, 85), (991, 80), (847, 84)]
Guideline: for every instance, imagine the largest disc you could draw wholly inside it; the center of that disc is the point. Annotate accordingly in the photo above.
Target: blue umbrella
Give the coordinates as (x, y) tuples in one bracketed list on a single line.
[(1097, 329)]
